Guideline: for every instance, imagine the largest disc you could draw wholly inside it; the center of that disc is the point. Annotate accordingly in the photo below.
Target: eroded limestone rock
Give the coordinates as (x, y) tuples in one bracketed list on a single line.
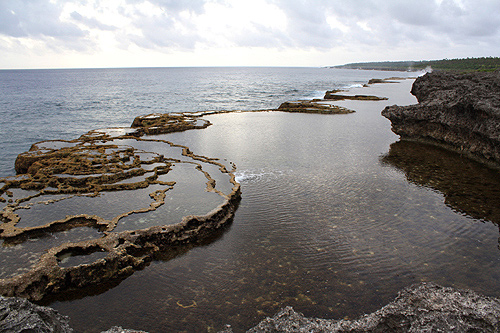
[(460, 112), (312, 107), (101, 162), (334, 96), (19, 315), (424, 307)]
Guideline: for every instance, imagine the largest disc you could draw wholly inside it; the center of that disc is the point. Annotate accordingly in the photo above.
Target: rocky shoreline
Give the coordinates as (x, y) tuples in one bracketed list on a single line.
[(460, 112), (424, 307)]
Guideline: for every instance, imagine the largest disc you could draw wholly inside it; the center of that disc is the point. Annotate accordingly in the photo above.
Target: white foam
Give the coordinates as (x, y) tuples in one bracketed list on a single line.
[(356, 85), (246, 176)]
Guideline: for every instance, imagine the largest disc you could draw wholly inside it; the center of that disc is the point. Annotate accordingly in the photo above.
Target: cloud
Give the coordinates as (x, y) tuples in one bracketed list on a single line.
[(92, 22), (37, 19), (362, 27)]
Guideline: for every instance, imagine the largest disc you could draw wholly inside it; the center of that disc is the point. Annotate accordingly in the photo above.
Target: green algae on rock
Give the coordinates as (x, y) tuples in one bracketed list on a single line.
[(92, 167)]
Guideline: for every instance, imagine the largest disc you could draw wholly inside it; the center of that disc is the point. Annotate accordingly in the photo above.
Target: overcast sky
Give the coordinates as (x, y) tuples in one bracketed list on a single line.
[(150, 33)]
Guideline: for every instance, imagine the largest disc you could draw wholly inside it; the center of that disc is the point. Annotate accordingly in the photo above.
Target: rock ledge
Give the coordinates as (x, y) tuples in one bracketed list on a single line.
[(460, 112)]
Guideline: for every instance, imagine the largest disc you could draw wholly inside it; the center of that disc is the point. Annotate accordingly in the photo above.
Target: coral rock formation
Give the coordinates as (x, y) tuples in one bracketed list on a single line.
[(94, 167), (312, 107), (457, 111), (334, 96), (19, 315), (424, 307)]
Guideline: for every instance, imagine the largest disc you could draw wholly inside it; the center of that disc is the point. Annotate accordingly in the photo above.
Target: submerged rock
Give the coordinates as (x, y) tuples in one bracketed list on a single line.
[(20, 315), (458, 111), (468, 187), (424, 307)]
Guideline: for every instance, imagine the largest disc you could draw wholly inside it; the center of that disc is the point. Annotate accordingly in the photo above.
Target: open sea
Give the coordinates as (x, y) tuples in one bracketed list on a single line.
[(54, 104), (337, 215)]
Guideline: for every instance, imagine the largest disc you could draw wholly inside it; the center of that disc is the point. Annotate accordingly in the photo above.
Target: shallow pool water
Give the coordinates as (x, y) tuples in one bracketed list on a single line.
[(329, 223)]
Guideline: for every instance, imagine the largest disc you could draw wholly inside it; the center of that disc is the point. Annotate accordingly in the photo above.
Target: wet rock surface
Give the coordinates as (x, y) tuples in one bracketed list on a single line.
[(66, 248), (458, 111), (101, 167), (425, 307), (335, 96), (312, 107)]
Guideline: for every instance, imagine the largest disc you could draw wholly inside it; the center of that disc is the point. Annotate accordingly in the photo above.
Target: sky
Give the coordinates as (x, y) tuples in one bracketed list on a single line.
[(172, 33)]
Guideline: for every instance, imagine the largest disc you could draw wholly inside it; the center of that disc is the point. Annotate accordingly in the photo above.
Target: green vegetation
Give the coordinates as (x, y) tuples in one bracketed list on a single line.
[(466, 64)]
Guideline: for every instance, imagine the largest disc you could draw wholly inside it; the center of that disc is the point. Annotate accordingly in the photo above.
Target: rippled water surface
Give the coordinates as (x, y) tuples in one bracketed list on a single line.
[(38, 105), (336, 216)]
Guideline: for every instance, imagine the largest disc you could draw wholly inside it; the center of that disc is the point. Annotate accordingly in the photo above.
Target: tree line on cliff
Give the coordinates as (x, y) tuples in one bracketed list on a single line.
[(462, 65)]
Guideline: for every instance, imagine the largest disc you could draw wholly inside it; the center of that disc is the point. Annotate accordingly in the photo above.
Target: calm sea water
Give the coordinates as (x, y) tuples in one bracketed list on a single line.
[(38, 105), (336, 214)]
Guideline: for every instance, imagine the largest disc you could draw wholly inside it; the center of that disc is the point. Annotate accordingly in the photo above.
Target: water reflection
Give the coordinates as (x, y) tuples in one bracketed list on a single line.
[(468, 187), (323, 226)]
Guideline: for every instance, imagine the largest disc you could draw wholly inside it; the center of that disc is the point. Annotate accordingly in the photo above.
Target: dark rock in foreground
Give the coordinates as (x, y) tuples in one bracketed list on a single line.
[(424, 307), (458, 111), (19, 315)]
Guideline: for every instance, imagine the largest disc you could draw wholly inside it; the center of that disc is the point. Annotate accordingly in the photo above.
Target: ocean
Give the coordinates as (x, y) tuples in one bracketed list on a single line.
[(62, 104), (336, 216)]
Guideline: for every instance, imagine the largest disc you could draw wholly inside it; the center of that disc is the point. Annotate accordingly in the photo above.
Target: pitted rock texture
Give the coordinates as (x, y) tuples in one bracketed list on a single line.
[(458, 111), (424, 307), (97, 164), (19, 315)]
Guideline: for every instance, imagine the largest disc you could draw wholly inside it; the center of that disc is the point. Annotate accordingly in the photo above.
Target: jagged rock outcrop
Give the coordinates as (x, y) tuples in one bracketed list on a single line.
[(424, 307), (20, 315), (458, 111)]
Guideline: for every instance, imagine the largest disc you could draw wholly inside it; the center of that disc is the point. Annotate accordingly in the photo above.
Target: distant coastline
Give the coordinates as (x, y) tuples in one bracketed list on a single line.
[(468, 64)]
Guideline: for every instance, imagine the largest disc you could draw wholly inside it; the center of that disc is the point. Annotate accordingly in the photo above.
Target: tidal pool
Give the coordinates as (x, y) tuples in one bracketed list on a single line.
[(331, 222)]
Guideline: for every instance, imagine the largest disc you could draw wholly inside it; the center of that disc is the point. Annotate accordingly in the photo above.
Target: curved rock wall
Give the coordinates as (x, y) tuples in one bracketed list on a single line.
[(458, 111)]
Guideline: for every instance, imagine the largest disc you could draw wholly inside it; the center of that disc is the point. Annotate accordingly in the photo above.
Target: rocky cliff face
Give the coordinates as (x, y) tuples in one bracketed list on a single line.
[(458, 111)]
